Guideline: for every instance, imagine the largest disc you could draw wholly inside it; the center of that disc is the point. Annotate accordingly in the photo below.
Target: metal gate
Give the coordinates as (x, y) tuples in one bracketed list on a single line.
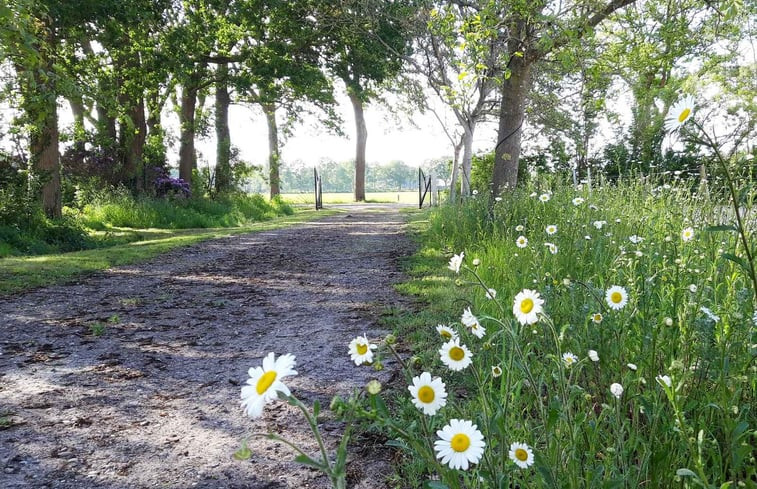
[(318, 189), (424, 185)]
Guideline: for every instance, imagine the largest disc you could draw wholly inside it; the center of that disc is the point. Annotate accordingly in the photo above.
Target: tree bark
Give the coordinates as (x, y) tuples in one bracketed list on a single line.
[(455, 170), (512, 111), (187, 121), (43, 144), (467, 162), (273, 149), (77, 110), (362, 138), (223, 135)]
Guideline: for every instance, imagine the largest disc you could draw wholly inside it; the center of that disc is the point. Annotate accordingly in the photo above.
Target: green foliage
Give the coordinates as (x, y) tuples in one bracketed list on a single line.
[(690, 317)]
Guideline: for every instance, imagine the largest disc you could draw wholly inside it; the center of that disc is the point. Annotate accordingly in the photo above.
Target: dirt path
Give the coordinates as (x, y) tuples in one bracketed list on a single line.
[(154, 400)]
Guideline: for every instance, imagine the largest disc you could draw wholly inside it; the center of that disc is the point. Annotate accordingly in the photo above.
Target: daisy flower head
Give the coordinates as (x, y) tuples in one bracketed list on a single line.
[(616, 297), (632, 366), (472, 322), (456, 261), (454, 355), (679, 113), (616, 390), (551, 247), (446, 332), (596, 318), (429, 395), (521, 242), (593, 355), (568, 359), (635, 239), (551, 229), (599, 224), (491, 293), (519, 227), (578, 201), (687, 234), (545, 197), (693, 288), (361, 350), (527, 306), (496, 371), (664, 380), (521, 454), (265, 383), (460, 444)]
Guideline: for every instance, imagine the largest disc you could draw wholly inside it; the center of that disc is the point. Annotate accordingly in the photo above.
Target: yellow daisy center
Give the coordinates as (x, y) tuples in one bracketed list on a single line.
[(445, 334), (684, 115), (616, 297), (597, 318), (526, 305), (460, 442), (362, 349), (426, 394), (265, 381), (456, 353), (521, 454)]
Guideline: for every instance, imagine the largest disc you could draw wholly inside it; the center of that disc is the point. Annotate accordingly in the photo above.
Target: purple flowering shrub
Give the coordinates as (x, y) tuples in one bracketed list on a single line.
[(167, 186)]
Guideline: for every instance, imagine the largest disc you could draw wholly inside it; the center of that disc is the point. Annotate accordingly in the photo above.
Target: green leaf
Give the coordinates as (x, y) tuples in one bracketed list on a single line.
[(243, 453), (685, 473), (316, 408), (721, 227), (435, 485), (736, 259), (305, 460), (726, 485)]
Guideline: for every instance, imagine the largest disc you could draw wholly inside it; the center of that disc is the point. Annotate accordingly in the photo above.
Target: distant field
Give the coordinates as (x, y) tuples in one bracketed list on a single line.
[(346, 198)]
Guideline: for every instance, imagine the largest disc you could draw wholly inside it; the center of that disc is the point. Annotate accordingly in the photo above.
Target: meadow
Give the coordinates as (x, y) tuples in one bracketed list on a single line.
[(595, 338)]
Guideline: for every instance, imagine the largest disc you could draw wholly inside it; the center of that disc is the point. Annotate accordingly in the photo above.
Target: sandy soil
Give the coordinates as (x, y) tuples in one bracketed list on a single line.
[(153, 401)]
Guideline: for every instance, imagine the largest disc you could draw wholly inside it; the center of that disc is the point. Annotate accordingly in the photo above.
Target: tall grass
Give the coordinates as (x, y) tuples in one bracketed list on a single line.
[(690, 317)]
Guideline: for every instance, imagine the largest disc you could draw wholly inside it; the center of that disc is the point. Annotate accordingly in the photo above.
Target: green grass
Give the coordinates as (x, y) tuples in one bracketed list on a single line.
[(22, 273), (581, 435)]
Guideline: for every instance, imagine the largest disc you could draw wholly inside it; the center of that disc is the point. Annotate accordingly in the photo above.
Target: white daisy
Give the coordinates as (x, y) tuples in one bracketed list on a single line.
[(616, 390), (446, 332), (265, 383), (527, 306), (693, 288), (491, 293), (635, 239), (460, 444), (599, 224), (454, 355), (521, 242), (578, 201), (496, 371), (616, 297), (551, 247), (596, 318), (687, 234), (632, 366), (429, 395), (664, 380), (471, 321), (521, 454), (456, 261), (545, 197), (361, 350), (679, 113), (569, 359), (519, 227), (593, 356), (551, 229)]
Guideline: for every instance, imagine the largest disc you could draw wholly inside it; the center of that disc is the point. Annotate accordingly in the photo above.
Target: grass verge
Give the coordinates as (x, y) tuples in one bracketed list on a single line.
[(18, 274)]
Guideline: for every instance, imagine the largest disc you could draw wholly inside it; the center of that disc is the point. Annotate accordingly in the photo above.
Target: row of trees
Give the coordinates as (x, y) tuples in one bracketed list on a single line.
[(536, 68)]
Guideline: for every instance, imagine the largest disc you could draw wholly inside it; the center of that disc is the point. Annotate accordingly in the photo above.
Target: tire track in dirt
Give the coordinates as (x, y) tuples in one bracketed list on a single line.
[(154, 400)]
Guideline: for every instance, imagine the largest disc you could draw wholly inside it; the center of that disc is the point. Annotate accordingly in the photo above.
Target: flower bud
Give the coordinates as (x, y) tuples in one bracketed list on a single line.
[(390, 339), (373, 387)]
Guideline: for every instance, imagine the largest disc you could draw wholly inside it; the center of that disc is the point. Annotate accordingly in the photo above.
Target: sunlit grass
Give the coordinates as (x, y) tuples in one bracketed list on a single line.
[(22, 273), (348, 197)]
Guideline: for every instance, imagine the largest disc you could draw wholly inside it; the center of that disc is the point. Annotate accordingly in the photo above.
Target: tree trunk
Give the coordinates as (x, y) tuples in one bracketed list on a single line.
[(43, 144), (455, 169), (223, 136), (187, 121), (106, 124), (512, 111), (362, 137), (77, 109), (467, 162), (273, 148)]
